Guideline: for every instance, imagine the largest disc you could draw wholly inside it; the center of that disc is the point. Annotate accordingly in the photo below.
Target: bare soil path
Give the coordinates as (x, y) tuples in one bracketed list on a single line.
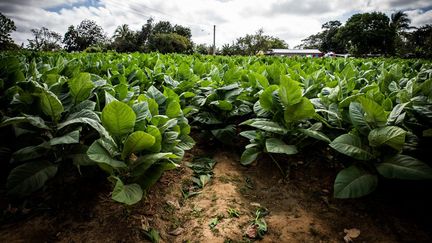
[(299, 209)]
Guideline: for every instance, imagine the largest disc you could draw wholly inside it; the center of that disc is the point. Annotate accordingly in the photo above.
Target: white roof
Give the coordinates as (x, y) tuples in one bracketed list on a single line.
[(295, 51)]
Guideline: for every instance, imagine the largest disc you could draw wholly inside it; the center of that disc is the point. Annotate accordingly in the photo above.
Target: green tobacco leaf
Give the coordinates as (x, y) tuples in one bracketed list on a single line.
[(354, 182), (226, 135), (265, 125), (249, 156), (375, 114), (154, 131), (223, 105), (290, 92), (391, 135), (404, 167), (127, 194), (173, 109), (93, 123), (186, 143), (143, 163), (266, 98), (70, 138), (136, 142), (315, 134), (29, 177), (274, 145), (31, 152), (32, 120), (51, 105), (396, 113), (152, 175), (118, 118), (102, 152), (350, 145), (357, 118), (302, 110), (80, 87), (155, 94)]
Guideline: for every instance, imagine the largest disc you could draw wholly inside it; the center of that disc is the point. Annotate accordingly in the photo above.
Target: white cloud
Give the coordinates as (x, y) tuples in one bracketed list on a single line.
[(289, 20)]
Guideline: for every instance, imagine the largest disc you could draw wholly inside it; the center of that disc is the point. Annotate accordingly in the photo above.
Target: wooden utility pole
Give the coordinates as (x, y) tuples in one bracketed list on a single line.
[(214, 39)]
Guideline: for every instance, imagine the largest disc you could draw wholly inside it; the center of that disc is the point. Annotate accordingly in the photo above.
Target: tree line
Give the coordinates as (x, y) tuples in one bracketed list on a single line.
[(373, 34), (162, 36), (363, 34)]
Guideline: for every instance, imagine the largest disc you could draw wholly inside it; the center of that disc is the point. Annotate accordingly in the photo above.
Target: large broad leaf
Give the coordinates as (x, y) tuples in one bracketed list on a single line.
[(136, 142), (50, 104), (302, 110), (80, 87), (354, 182), (375, 114), (274, 145), (32, 120), (226, 135), (315, 134), (265, 125), (290, 92), (404, 167), (390, 135), (173, 109), (186, 143), (127, 194), (29, 177), (143, 163), (70, 138), (155, 94), (152, 175), (223, 105), (249, 156), (102, 152), (397, 112), (350, 145), (356, 114), (154, 131), (84, 120), (118, 118), (266, 98), (31, 152)]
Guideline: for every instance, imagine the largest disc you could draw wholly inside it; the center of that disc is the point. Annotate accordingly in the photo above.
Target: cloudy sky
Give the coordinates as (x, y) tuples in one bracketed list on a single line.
[(290, 20)]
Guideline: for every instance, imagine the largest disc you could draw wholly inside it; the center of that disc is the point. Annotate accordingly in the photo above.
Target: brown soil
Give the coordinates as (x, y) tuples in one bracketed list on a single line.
[(301, 209)]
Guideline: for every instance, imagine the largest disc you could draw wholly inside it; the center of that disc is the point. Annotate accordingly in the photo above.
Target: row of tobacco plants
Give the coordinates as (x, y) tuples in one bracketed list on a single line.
[(131, 115)]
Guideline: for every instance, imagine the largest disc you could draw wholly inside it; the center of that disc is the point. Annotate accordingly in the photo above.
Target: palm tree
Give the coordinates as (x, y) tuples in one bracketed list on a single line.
[(400, 21), (122, 32)]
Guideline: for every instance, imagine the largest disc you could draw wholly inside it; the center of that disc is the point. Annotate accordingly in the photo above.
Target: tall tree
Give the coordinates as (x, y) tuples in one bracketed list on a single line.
[(163, 27), (169, 43), (123, 31), (400, 21), (125, 40), (45, 40), (368, 33), (86, 34), (146, 31), (7, 26), (252, 44)]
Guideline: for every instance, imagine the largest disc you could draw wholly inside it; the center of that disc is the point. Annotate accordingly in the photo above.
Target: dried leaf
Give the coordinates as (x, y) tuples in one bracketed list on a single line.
[(351, 234), (177, 231), (252, 231)]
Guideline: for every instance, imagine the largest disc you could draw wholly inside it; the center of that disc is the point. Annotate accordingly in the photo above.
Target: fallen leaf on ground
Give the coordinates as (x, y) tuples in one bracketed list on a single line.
[(351, 234), (252, 231), (173, 203), (177, 231)]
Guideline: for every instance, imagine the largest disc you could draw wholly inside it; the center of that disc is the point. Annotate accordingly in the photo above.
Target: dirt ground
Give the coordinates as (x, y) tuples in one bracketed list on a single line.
[(298, 209)]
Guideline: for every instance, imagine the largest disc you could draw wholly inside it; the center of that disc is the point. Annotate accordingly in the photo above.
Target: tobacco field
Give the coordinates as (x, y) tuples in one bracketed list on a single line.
[(133, 117)]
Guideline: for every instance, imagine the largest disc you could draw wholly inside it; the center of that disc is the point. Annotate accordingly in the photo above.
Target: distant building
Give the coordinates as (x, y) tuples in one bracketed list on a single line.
[(295, 52)]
